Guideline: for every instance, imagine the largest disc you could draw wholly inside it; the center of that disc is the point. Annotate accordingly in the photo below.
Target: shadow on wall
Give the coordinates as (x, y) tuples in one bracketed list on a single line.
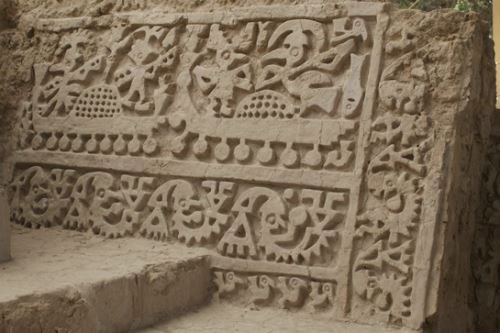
[(496, 38), (486, 255), (8, 12)]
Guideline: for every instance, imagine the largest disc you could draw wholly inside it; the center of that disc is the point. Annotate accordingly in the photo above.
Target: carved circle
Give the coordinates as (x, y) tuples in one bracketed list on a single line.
[(200, 148), (298, 216), (150, 146), (25, 139), (271, 219), (266, 155), (289, 194), (135, 146), (65, 143), (106, 145), (92, 145), (294, 282), (37, 142), (178, 145), (264, 281), (290, 158), (77, 145), (242, 152), (222, 151), (120, 146), (52, 142), (313, 159)]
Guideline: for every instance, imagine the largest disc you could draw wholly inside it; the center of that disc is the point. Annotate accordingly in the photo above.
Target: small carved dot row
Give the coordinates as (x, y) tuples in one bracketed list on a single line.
[(243, 153), (96, 143)]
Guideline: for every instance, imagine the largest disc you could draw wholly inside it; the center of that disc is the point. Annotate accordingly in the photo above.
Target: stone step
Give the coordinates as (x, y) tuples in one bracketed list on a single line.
[(64, 281)]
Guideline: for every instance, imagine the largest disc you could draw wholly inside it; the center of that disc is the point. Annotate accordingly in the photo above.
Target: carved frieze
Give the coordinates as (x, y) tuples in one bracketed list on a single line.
[(292, 144)]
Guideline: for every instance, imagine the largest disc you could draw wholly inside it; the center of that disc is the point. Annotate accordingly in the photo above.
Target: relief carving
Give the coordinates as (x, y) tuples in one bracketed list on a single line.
[(290, 226), (150, 54), (236, 86), (40, 198), (298, 235), (387, 227), (288, 292), (270, 141)]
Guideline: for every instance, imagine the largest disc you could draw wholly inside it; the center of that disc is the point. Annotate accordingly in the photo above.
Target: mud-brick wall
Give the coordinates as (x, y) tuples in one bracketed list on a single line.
[(406, 240), (4, 212), (496, 36), (486, 254), (485, 289), (4, 227)]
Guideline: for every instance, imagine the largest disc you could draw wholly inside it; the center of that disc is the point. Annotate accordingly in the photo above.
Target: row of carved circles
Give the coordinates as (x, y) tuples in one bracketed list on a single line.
[(243, 152), (119, 144)]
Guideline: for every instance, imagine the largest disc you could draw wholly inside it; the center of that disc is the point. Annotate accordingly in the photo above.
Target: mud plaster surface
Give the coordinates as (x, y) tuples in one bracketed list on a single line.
[(4, 227), (444, 45), (73, 282), (220, 317), (45, 266), (45, 260)]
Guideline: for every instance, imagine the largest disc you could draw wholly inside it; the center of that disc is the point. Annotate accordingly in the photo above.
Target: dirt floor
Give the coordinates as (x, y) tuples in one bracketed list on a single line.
[(219, 317)]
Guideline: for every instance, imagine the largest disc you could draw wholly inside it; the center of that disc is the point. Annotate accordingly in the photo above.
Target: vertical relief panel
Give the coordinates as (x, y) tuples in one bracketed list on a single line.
[(390, 217)]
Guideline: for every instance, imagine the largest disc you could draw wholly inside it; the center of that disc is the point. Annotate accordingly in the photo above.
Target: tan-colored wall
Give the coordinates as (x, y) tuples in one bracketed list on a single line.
[(4, 208), (496, 36), (4, 227), (442, 174)]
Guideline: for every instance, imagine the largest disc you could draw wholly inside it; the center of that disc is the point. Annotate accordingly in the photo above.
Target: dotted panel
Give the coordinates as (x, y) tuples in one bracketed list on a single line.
[(97, 102), (263, 105)]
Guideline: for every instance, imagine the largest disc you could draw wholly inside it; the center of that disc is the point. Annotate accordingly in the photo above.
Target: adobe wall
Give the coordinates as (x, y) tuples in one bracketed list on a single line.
[(329, 155), (4, 207), (485, 291), (4, 226), (496, 34)]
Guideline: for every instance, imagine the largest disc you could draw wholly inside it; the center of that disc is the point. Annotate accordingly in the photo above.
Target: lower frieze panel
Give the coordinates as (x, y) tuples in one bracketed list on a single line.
[(270, 244), (284, 291), (291, 225)]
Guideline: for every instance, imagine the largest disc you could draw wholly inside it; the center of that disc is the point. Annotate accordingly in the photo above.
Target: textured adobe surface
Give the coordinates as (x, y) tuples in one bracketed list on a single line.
[(486, 253), (224, 317), (327, 156), (71, 282), (4, 208), (4, 226)]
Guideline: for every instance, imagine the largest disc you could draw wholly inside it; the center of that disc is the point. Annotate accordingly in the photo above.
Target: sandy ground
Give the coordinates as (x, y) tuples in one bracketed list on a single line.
[(222, 317)]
